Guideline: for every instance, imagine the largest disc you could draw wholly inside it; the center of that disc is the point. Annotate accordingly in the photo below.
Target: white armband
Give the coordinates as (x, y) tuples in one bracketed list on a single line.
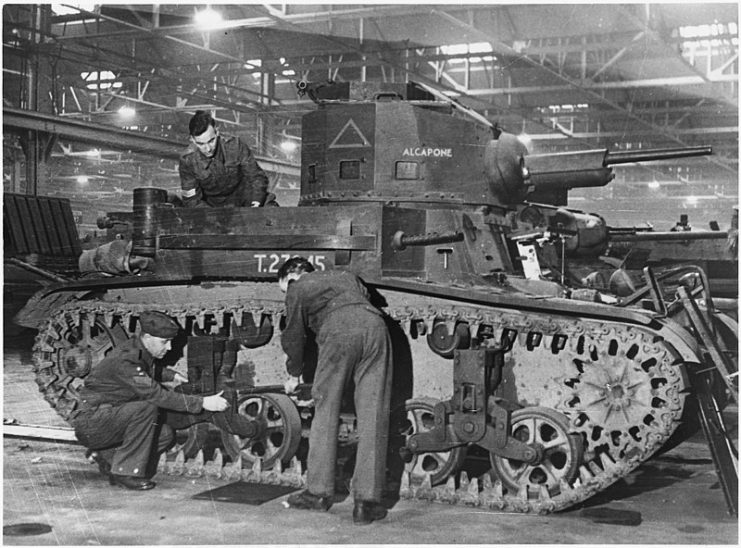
[(189, 193)]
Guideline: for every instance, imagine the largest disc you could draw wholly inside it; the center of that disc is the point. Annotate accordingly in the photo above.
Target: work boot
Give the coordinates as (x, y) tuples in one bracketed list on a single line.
[(244, 428), (131, 482), (367, 511), (309, 501), (103, 465)]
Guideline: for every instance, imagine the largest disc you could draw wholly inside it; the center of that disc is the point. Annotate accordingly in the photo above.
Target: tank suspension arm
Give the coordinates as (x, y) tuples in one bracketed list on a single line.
[(400, 240)]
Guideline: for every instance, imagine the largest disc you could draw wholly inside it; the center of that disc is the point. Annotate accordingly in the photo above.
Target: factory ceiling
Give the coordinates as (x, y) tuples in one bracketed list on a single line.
[(569, 76)]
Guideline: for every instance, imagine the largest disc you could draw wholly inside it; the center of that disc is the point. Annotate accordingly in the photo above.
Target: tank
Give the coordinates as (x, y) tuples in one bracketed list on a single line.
[(516, 386)]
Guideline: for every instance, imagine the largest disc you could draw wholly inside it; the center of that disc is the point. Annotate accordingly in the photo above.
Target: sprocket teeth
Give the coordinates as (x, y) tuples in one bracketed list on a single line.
[(194, 467), (470, 496), (233, 470), (295, 472), (257, 318), (182, 319), (214, 467), (126, 319), (177, 467), (594, 468), (109, 317), (492, 494), (607, 463), (425, 491), (522, 493), (405, 490), (254, 474), (585, 474), (565, 490), (544, 493), (220, 316), (75, 316), (448, 493), (274, 476), (201, 320), (429, 321), (162, 463), (406, 326)]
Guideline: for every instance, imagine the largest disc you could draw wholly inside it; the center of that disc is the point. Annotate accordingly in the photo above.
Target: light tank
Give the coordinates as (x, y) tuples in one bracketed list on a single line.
[(462, 238)]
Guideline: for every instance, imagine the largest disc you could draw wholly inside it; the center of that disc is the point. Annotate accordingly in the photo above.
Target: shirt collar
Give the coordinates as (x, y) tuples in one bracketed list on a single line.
[(146, 357)]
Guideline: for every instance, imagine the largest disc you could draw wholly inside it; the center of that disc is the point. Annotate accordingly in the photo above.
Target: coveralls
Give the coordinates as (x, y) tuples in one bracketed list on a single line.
[(231, 177), (120, 402), (353, 344)]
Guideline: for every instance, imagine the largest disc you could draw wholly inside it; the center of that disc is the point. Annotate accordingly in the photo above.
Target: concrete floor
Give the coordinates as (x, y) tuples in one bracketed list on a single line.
[(677, 495)]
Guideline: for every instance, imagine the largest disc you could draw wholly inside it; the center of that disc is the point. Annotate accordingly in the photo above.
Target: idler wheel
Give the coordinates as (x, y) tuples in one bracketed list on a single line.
[(560, 452), (438, 465), (279, 430), (66, 351), (444, 343)]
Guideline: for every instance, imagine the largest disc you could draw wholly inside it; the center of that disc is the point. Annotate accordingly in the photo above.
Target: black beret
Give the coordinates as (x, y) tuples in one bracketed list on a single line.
[(158, 324)]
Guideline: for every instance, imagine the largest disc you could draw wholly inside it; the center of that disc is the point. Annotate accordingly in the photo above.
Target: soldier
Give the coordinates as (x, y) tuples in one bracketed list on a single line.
[(219, 170), (120, 402), (354, 345)]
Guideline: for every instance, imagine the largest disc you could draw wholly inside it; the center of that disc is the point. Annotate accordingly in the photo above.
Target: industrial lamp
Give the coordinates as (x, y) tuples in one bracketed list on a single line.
[(207, 18)]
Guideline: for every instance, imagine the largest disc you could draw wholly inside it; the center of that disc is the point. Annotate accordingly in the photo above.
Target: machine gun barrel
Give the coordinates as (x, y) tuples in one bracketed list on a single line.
[(400, 240), (630, 156), (680, 236)]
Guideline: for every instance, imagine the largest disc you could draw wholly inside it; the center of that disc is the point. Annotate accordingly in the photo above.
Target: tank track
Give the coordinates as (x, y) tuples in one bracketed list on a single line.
[(620, 428)]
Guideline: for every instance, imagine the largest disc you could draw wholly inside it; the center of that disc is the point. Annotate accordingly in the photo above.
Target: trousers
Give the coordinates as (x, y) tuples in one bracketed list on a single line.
[(353, 344), (124, 435)]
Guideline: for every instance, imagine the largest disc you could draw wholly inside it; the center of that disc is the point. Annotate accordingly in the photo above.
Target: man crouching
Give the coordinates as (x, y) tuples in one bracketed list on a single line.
[(120, 403)]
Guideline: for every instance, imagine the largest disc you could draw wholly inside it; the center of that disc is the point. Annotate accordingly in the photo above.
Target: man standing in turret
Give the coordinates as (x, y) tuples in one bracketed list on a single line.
[(219, 170)]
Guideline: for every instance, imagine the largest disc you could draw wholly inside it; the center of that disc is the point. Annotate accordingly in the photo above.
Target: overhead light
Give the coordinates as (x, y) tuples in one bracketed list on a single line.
[(93, 153), (691, 200), (127, 112), (71, 8), (525, 139), (82, 179), (654, 185), (207, 19), (288, 146)]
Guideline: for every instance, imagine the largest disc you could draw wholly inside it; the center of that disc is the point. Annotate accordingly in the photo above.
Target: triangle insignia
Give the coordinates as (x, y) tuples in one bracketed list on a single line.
[(350, 136)]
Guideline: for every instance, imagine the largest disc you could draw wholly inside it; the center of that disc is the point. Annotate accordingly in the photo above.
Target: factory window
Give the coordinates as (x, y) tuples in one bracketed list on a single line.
[(407, 170), (350, 169), (100, 80), (458, 53)]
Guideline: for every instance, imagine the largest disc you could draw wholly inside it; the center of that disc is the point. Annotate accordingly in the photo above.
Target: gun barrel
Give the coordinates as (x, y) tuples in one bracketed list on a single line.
[(630, 156), (680, 236), (400, 240)]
